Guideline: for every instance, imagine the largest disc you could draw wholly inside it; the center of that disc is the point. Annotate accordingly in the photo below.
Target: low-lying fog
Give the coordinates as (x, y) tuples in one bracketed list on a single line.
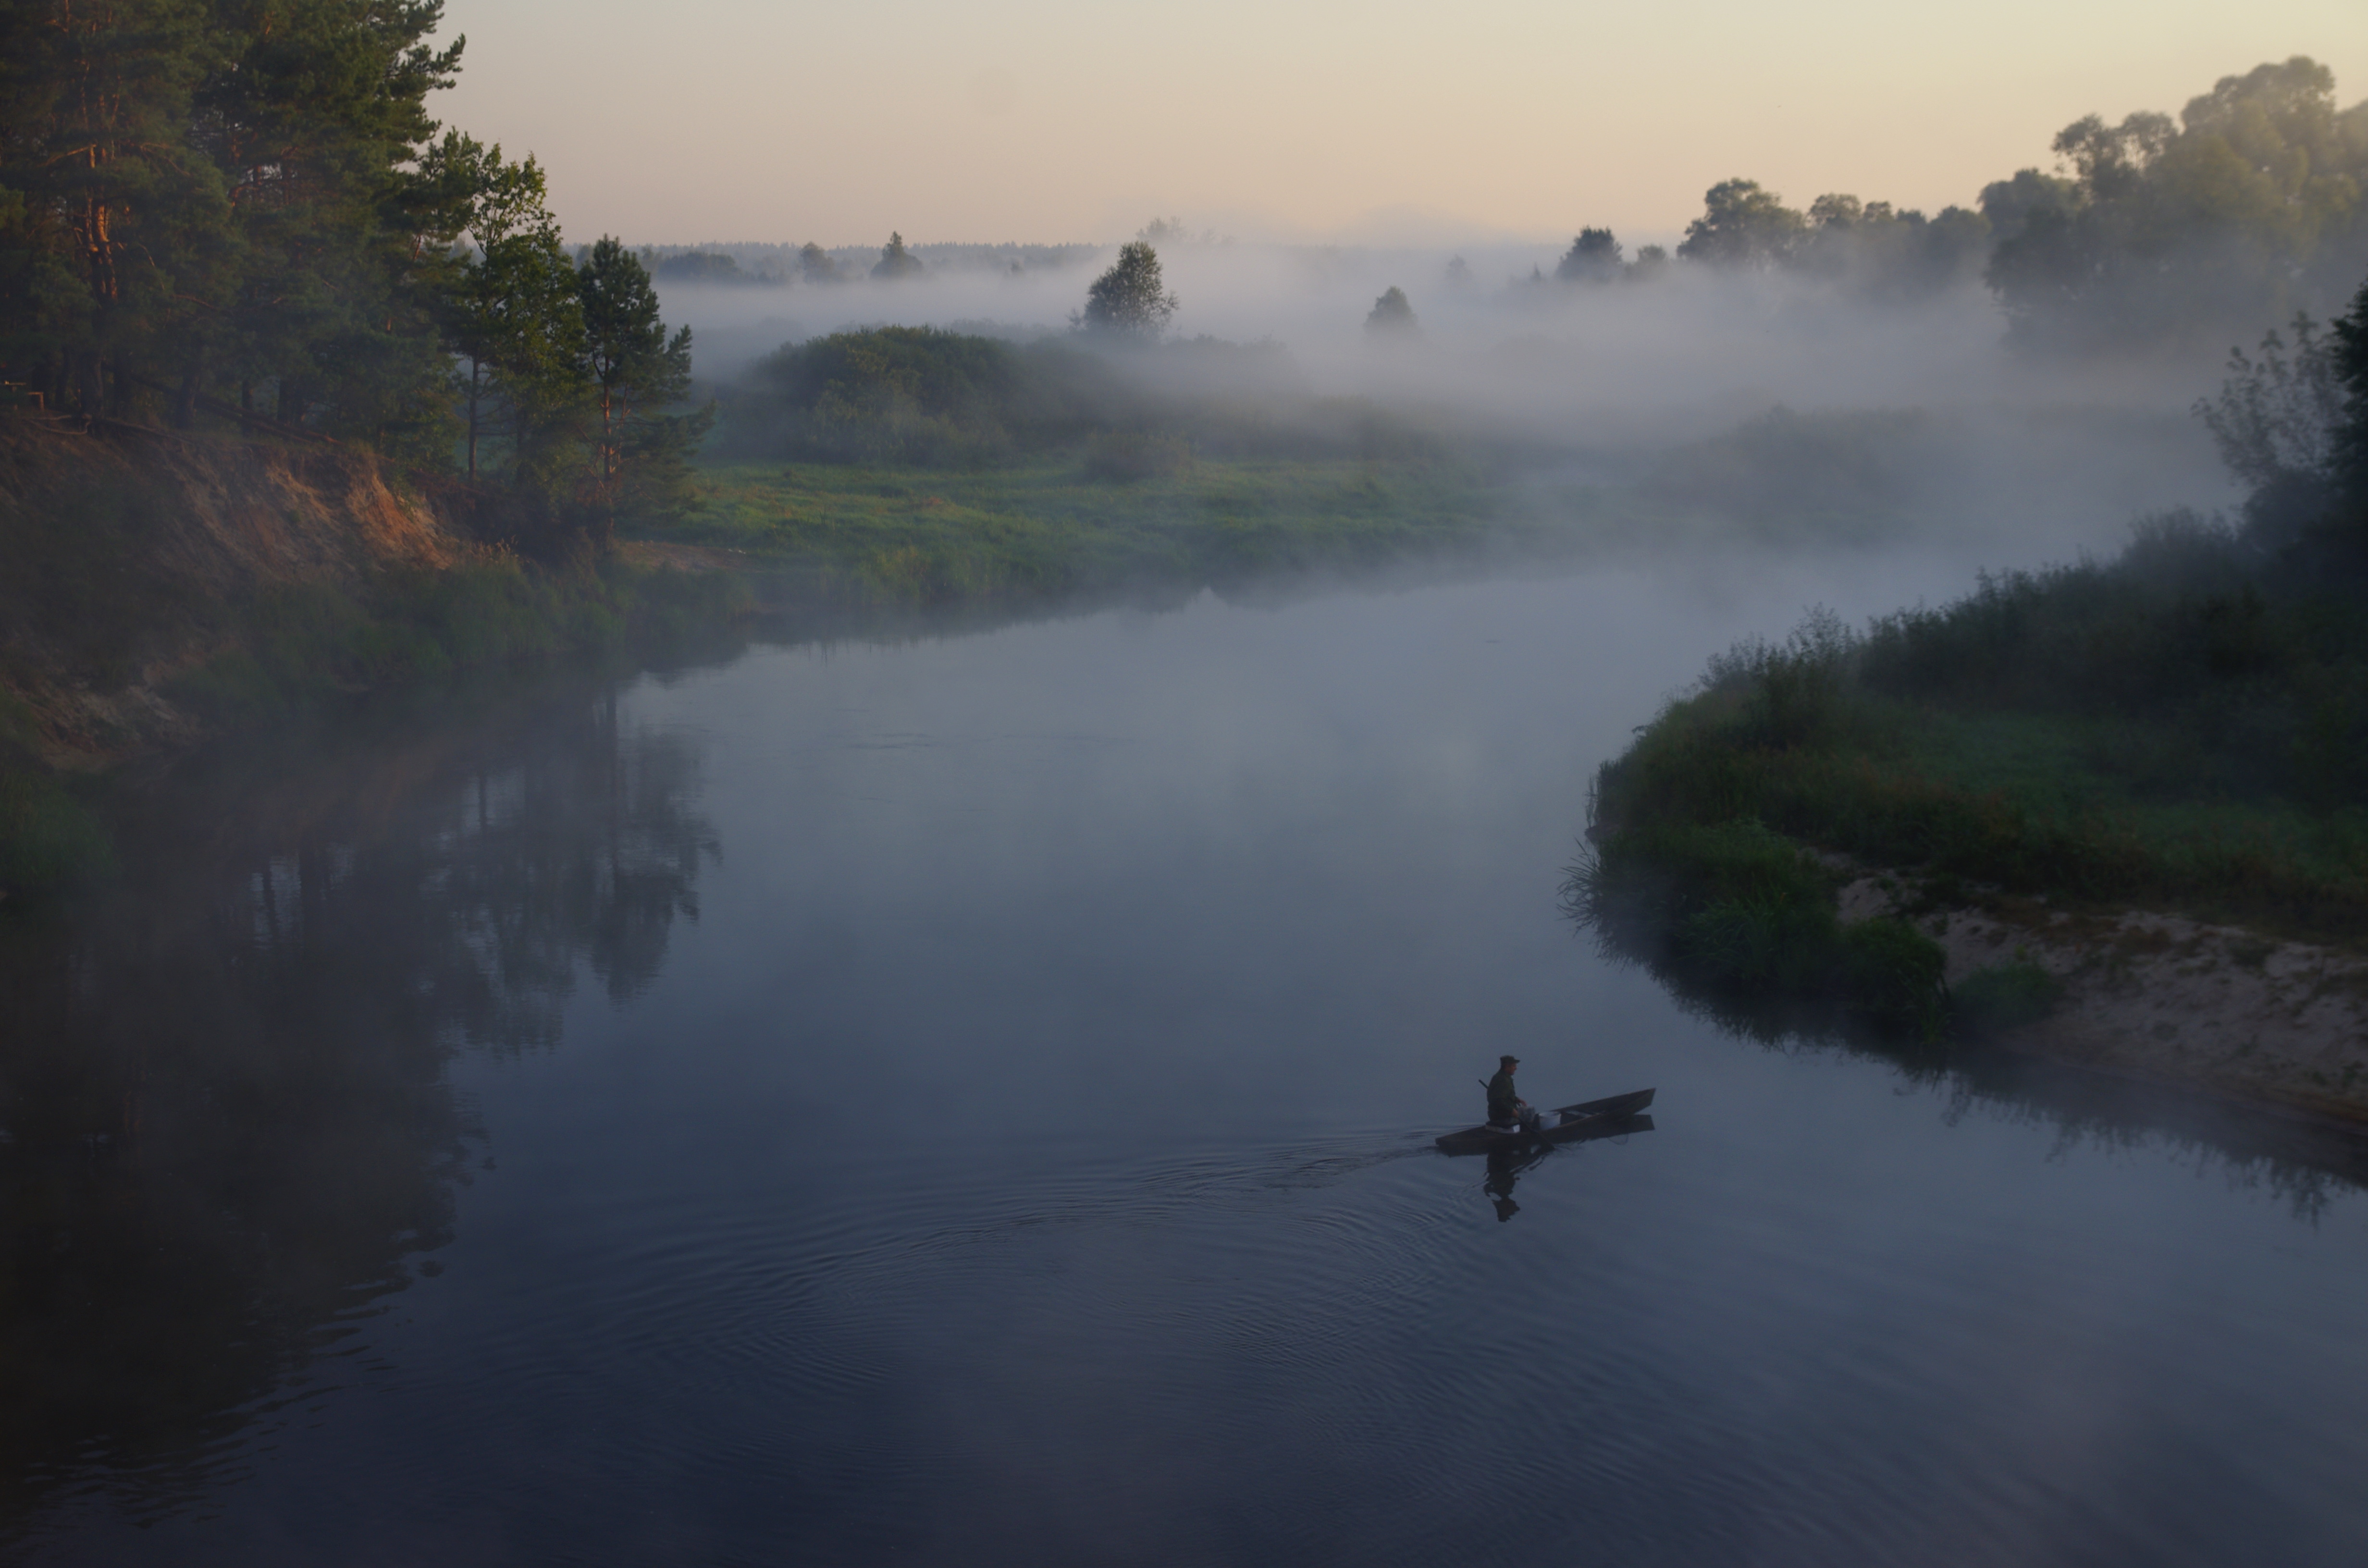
[(2045, 454)]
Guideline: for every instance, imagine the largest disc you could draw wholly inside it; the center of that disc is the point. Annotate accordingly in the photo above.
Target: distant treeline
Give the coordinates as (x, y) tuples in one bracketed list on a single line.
[(772, 265), (244, 215), (2251, 204)]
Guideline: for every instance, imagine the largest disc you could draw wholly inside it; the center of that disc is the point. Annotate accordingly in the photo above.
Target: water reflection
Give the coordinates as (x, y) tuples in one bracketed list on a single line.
[(226, 1127), (1508, 1164), (2303, 1163), (1505, 1168)]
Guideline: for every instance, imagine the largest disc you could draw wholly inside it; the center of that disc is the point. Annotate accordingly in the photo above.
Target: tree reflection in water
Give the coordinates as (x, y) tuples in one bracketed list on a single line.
[(229, 1127)]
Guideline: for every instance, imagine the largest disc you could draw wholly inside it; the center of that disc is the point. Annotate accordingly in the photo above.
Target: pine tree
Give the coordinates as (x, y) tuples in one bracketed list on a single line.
[(896, 261), (517, 323), (641, 455)]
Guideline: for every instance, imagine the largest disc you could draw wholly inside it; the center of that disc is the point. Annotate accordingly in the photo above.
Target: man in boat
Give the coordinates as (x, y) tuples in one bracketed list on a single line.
[(1508, 1111)]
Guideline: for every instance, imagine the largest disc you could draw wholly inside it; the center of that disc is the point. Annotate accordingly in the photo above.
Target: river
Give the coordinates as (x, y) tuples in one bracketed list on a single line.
[(967, 1097)]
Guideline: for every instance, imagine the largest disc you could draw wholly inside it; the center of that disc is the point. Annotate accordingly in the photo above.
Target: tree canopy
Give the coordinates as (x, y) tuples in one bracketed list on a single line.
[(1593, 257), (1129, 299), (1743, 225), (2251, 204), (1392, 316), (243, 209), (895, 262)]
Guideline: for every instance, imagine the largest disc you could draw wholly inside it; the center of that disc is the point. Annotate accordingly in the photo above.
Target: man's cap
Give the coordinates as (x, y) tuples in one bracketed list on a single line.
[(1509, 1061)]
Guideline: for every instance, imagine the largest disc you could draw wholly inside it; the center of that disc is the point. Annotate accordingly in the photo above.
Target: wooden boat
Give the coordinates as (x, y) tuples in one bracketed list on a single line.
[(1589, 1118)]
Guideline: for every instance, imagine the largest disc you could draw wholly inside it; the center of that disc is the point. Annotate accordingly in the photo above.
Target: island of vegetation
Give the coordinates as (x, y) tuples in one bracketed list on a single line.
[(2111, 811)]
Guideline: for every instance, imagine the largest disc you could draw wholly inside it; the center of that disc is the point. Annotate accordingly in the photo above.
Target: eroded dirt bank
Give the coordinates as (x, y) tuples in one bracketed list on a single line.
[(130, 549), (2221, 1008)]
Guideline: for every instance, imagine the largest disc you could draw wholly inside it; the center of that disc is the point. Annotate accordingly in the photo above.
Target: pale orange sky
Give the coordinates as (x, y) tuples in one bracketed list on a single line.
[(1052, 119)]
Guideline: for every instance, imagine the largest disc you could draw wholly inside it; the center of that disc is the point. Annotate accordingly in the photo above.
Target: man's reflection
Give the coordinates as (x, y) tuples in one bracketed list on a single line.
[(1506, 1167)]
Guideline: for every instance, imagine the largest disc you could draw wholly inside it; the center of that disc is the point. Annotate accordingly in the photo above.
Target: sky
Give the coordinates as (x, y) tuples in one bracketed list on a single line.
[(1315, 120)]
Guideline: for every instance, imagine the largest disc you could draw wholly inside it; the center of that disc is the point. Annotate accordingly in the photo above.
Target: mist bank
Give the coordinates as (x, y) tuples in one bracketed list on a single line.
[(1557, 386), (2050, 333)]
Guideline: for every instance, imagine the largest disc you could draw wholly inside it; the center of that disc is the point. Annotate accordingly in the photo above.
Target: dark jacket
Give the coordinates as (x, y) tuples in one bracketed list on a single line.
[(1504, 1104)]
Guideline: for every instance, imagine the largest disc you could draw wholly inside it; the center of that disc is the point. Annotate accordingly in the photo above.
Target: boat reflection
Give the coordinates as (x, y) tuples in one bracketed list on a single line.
[(1508, 1166)]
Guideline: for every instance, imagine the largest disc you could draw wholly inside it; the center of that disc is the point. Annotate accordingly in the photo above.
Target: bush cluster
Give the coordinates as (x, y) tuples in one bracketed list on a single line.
[(1733, 907)]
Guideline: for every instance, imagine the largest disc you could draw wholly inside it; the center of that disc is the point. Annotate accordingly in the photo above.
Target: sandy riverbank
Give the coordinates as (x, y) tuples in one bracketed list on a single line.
[(2220, 1008)]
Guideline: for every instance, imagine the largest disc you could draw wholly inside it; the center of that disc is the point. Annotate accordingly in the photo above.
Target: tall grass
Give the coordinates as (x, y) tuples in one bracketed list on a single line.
[(297, 648), (1737, 911), (1125, 512), (2179, 726)]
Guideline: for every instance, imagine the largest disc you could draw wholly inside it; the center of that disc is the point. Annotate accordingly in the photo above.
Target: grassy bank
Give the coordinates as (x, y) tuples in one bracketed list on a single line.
[(292, 651), (2182, 728), (1126, 512)]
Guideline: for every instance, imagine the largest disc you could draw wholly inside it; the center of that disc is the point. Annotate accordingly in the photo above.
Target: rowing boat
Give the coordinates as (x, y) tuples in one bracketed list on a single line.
[(1571, 1124)]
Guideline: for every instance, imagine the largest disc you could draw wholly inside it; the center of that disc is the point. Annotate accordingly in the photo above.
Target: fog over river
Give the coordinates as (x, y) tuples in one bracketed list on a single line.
[(968, 1098)]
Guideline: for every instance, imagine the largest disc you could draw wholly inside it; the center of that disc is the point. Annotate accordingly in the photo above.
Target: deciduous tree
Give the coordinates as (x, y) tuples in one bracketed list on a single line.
[(1742, 225), (1392, 316), (895, 262), (1130, 300)]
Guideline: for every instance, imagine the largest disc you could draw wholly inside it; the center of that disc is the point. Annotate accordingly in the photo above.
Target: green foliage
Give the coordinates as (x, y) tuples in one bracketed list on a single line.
[(223, 199), (1126, 456), (244, 211), (2246, 208), (1593, 257), (1130, 300), (2175, 727), (1882, 252), (49, 840), (642, 455), (1870, 247), (1733, 908), (913, 395), (2000, 997), (895, 262), (1743, 225), (514, 316), (2349, 459), (296, 650), (1049, 527), (1392, 316), (2277, 423), (704, 269), (814, 265)]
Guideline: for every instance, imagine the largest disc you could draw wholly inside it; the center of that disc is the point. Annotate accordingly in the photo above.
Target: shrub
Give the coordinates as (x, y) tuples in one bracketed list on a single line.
[(1128, 456), (48, 840), (1735, 907), (2003, 996), (1893, 972)]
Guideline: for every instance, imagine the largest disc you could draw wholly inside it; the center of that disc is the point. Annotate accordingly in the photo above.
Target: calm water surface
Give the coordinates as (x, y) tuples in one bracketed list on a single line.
[(969, 1100)]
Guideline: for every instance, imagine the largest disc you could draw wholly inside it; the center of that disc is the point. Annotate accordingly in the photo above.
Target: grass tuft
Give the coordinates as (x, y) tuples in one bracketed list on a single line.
[(2003, 996)]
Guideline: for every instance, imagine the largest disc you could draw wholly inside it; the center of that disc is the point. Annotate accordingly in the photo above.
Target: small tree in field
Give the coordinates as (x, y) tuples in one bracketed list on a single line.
[(1593, 257), (1393, 315), (1129, 299), (895, 262)]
